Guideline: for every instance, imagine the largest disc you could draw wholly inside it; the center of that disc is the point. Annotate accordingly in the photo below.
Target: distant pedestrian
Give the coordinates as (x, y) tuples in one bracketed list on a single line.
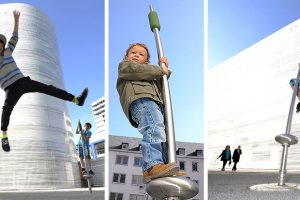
[(225, 156), (236, 157)]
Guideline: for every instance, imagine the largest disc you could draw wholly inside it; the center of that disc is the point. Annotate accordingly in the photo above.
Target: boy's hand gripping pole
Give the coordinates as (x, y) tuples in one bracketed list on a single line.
[(287, 139), (168, 188)]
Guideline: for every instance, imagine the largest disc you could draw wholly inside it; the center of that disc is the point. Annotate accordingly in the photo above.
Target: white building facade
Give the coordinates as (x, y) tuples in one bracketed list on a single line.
[(98, 109), (98, 139), (125, 160), (42, 144), (248, 99)]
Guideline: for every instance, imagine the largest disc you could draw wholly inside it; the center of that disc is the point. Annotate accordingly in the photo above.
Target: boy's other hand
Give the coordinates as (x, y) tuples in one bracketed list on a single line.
[(166, 67), (16, 14)]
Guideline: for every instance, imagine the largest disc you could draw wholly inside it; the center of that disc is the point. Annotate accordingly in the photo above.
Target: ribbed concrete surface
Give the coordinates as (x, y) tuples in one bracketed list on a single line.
[(236, 185)]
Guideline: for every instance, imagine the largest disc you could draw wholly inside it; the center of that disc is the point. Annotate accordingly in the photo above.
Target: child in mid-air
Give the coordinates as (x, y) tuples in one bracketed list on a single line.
[(86, 135), (15, 84), (139, 88)]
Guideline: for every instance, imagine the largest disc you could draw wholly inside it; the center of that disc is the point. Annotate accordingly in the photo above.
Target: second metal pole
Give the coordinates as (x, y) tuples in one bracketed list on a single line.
[(282, 171)]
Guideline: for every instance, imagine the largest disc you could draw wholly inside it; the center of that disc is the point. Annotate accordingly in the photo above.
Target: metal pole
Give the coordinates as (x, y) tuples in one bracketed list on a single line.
[(282, 171), (291, 112), (155, 26), (168, 188), (83, 150)]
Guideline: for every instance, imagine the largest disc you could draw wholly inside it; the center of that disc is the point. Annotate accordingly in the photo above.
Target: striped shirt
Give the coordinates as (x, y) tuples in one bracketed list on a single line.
[(9, 71)]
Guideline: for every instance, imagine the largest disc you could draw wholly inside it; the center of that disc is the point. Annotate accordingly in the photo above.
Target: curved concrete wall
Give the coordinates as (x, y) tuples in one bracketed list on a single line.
[(40, 134)]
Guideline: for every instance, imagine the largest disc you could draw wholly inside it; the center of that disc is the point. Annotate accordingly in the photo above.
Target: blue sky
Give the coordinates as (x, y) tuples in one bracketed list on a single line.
[(235, 25), (79, 30), (182, 39)]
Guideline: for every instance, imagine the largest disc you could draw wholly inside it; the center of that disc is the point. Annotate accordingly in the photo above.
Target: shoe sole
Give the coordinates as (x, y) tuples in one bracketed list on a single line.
[(170, 171), (6, 150), (180, 174)]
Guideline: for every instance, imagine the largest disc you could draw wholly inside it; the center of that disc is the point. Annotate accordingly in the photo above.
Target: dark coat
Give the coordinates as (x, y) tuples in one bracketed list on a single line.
[(223, 155), (236, 155)]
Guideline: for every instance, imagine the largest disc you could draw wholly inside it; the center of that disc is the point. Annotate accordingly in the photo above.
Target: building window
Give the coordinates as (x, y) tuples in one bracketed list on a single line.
[(194, 167), (181, 151), (138, 161), (125, 145), (181, 165), (199, 153), (137, 180), (136, 197), (100, 148), (116, 196), (121, 160), (119, 178)]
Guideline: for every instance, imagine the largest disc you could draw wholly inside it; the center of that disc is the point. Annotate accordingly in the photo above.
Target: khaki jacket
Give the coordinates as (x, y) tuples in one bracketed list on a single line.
[(136, 81)]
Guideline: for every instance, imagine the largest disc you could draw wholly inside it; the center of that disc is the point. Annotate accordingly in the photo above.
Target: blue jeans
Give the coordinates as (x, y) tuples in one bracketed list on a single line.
[(86, 150), (149, 117)]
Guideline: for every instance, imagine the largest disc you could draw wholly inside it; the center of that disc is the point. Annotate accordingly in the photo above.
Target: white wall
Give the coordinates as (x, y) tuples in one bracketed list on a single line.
[(248, 101)]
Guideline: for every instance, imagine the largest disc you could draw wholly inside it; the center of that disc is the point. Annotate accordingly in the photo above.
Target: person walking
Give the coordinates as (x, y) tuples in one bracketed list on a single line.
[(236, 157)]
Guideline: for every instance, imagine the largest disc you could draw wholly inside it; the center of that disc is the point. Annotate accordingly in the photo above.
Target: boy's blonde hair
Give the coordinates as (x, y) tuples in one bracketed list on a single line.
[(141, 45)]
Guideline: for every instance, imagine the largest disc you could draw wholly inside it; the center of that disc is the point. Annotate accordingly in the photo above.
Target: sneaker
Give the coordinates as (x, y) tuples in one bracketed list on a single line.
[(84, 173), (5, 144), (160, 170), (298, 107), (91, 172), (81, 98)]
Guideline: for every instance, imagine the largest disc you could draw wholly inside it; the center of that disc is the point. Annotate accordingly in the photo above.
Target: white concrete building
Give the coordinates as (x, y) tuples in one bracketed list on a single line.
[(125, 172), (42, 145), (98, 108), (98, 139), (248, 99)]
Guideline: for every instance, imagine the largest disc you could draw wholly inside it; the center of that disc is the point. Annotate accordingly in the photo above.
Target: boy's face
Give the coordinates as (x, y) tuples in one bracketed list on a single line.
[(86, 127), (137, 54)]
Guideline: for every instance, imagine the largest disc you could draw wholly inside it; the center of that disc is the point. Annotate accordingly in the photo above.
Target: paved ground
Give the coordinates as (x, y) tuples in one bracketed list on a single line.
[(235, 185), (76, 194)]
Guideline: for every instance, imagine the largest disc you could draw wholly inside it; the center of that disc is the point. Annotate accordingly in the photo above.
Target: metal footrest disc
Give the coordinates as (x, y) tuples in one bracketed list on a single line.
[(167, 187), (286, 139)]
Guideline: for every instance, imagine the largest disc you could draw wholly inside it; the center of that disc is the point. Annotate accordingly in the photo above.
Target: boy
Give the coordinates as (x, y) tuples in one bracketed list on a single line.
[(15, 84), (86, 135), (139, 88)]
